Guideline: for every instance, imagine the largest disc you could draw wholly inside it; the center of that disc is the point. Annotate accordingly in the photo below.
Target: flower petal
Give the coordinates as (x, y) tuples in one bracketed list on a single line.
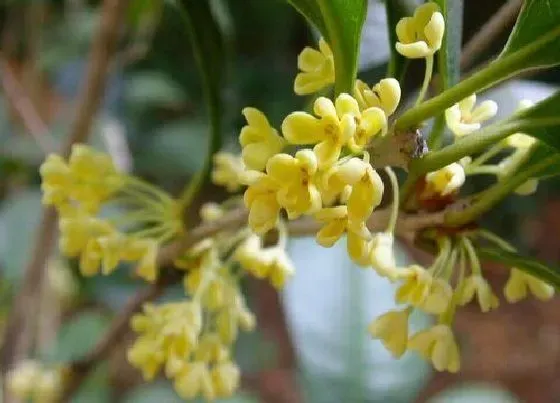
[(302, 128)]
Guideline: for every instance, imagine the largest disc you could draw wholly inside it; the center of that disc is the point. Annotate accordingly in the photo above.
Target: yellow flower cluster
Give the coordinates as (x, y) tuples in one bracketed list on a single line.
[(88, 185), (430, 290), (32, 381), (191, 340), (333, 181)]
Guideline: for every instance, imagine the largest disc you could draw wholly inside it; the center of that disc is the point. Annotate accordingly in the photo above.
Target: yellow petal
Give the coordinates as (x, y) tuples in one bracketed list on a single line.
[(415, 50), (324, 108), (310, 59), (434, 31), (345, 104), (301, 128), (330, 233)]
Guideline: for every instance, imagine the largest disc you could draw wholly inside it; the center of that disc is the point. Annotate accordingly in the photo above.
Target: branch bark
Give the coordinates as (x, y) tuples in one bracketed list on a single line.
[(18, 340)]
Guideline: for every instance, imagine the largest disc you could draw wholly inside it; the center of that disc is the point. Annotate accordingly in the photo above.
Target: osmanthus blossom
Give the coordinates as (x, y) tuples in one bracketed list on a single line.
[(421, 35), (464, 118), (317, 69), (334, 126), (259, 141)]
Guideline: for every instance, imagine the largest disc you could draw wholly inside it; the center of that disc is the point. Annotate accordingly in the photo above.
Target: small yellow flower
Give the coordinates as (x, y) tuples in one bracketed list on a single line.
[(507, 166), (366, 195), (423, 291), (260, 198), (463, 118), (476, 284), (422, 34), (382, 256), (317, 69), (229, 171), (21, 380), (438, 345), (56, 180), (386, 95), (340, 177), (392, 330), (519, 141), (520, 282), (225, 377), (90, 259), (147, 266), (339, 124), (194, 379), (48, 386), (94, 176), (146, 355), (280, 266), (77, 230), (210, 349), (298, 193), (446, 180), (259, 140), (272, 263), (336, 222)]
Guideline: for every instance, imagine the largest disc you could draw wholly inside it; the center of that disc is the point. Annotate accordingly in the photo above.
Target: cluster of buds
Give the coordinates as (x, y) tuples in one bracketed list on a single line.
[(87, 187), (192, 340), (36, 382)]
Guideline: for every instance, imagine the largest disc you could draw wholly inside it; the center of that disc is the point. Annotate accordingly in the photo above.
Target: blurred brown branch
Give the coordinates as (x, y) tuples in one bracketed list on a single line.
[(20, 101), (18, 338), (489, 32)]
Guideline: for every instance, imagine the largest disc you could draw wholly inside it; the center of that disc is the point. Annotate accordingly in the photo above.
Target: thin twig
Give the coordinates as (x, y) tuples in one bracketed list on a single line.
[(21, 103), (18, 339), (488, 33)]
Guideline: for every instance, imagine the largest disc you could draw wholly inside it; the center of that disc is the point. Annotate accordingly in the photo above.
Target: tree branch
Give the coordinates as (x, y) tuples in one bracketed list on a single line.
[(19, 100), (19, 330), (488, 33), (407, 224)]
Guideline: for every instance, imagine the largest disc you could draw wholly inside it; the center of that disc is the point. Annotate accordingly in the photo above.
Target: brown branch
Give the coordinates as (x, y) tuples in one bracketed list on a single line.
[(79, 370), (18, 339), (488, 33), (19, 100)]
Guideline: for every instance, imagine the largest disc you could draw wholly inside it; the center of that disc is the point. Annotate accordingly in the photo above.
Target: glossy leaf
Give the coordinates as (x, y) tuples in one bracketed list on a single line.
[(396, 9), (340, 22), (527, 264), (450, 53), (537, 27), (209, 51)]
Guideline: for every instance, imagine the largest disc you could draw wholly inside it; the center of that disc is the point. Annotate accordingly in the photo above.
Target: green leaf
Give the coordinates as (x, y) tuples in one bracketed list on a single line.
[(529, 265), (158, 391), (310, 10), (396, 9), (450, 53), (537, 28), (152, 89), (209, 52), (532, 44), (340, 22)]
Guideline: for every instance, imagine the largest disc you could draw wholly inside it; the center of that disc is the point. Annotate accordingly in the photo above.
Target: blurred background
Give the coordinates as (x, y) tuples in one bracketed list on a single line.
[(311, 344)]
